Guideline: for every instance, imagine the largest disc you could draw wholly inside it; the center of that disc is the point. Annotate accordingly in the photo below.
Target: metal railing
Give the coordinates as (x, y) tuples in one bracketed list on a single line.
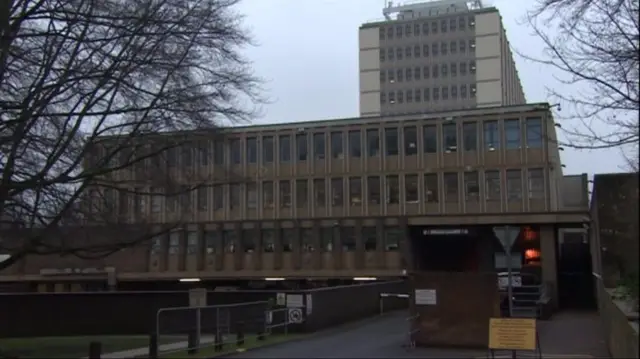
[(414, 328), (189, 329), (390, 295)]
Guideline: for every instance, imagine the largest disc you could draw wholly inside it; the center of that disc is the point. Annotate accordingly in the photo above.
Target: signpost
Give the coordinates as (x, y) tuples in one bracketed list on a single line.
[(513, 334), (507, 236)]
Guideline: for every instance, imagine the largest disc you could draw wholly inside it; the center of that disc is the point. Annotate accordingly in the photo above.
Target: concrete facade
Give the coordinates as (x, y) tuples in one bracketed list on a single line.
[(437, 61)]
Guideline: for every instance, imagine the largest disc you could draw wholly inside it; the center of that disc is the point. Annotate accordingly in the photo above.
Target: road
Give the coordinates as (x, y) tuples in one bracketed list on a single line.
[(382, 337)]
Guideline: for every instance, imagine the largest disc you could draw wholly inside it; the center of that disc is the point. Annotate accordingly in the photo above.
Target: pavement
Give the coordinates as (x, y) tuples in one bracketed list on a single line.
[(170, 347)]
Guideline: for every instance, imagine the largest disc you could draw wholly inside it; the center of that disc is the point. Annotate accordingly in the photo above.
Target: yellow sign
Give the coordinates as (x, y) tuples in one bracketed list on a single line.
[(512, 334)]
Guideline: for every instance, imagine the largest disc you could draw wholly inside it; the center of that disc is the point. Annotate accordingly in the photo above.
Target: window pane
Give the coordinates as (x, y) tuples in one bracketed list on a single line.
[(326, 238), (252, 195), (267, 195), (536, 183), (470, 134), (450, 137), (302, 146), (308, 242), (410, 141), (267, 149), (202, 199), (337, 150), (348, 238), (392, 238), (430, 138), (512, 133), (431, 188), (210, 240), (286, 238), (391, 141), (514, 185), (392, 190), (319, 193), (229, 241), (285, 193), (302, 193), (471, 187), (218, 152), (373, 187), (451, 187), (337, 192), (218, 197), (370, 238), (248, 243), (234, 196), (491, 136), (355, 191), (373, 142), (319, 145), (411, 188), (285, 148), (534, 132), (252, 150), (355, 144), (236, 151), (493, 186), (269, 240)]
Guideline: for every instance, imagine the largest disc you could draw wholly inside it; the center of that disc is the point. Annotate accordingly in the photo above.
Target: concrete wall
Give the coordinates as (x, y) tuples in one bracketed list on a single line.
[(622, 334), (129, 313)]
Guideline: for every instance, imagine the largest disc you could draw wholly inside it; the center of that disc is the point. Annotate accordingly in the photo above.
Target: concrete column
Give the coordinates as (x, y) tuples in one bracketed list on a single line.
[(359, 254), (238, 258), (259, 246), (380, 250), (548, 262)]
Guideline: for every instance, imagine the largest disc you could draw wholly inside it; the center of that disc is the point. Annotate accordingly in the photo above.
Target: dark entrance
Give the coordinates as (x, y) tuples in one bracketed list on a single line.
[(444, 249), (575, 284)]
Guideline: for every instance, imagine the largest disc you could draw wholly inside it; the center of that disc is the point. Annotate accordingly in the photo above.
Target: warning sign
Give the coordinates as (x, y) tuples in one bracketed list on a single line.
[(512, 334)]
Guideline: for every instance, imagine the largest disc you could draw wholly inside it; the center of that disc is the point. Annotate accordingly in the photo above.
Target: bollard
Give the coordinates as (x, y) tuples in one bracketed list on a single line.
[(192, 342), (95, 350), (153, 346), (240, 334)]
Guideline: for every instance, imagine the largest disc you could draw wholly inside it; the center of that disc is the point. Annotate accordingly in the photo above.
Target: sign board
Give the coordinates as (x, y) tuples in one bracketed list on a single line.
[(503, 281), (295, 315), (198, 297), (501, 260), (426, 297), (507, 236), (512, 334), (309, 305), (295, 301), (281, 299), (446, 232)]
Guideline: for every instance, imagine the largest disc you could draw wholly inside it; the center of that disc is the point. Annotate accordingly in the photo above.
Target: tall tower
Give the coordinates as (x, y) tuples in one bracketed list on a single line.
[(436, 56)]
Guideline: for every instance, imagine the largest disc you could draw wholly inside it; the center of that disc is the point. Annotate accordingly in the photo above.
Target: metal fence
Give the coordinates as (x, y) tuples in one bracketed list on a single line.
[(181, 329)]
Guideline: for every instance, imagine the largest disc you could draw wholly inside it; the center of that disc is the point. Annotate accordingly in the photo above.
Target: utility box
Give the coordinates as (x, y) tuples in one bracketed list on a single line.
[(452, 309)]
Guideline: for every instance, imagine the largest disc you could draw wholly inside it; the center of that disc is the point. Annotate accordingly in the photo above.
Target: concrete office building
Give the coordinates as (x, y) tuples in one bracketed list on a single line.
[(436, 56), (358, 197)]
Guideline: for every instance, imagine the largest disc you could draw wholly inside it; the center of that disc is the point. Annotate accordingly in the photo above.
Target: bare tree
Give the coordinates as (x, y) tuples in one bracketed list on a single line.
[(595, 46), (92, 94)]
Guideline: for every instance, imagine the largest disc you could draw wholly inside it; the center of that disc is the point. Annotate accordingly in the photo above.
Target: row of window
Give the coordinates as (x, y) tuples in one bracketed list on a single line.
[(428, 94), (426, 50), (341, 191), (427, 72), (357, 143), (248, 242), (425, 28)]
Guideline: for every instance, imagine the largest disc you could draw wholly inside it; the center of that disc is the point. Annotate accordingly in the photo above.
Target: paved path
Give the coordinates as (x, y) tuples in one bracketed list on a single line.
[(181, 345), (567, 335)]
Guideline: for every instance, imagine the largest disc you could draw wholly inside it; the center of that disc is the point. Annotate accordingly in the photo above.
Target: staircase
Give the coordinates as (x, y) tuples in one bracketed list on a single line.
[(528, 301)]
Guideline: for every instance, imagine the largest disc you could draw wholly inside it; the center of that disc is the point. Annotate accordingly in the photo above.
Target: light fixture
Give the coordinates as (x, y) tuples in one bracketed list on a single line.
[(274, 279), (186, 280), (364, 279)]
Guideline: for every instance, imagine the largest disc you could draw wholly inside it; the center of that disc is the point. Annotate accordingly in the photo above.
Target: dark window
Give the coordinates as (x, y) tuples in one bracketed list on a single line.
[(236, 151), (425, 50), (431, 188), (443, 48), (430, 138), (512, 134), (392, 189), (436, 93), (434, 27), (411, 188), (470, 136), (462, 22), (451, 187), (337, 192), (267, 149), (445, 93), (491, 136), (391, 75), (408, 74), (407, 52), (252, 150), (268, 199), (252, 195), (383, 55), (302, 146), (285, 193), (536, 183), (302, 193), (409, 96), (454, 70), (373, 142), (444, 69), (443, 26), (383, 77), (472, 67), (418, 95), (355, 191), (235, 192), (399, 32), (399, 53), (426, 73), (407, 29), (218, 197), (410, 140), (454, 92), (355, 144), (337, 150), (416, 51), (285, 148), (426, 94), (417, 74), (534, 132), (416, 29), (472, 90), (391, 141), (434, 71), (514, 185), (463, 68), (434, 49), (399, 75), (453, 47), (425, 28), (383, 97), (492, 185), (462, 46), (373, 188), (452, 24), (319, 145), (319, 192), (471, 187), (370, 238), (463, 91), (390, 54), (218, 152), (390, 33), (450, 137)]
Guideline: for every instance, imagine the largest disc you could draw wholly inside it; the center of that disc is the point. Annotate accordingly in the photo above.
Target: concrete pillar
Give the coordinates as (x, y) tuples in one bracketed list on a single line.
[(549, 267)]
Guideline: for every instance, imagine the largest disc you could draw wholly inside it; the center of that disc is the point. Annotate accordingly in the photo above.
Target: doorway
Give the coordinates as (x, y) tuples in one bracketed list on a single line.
[(575, 284), (443, 250)]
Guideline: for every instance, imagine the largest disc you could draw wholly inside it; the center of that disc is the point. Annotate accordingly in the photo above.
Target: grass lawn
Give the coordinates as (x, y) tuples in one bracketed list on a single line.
[(251, 342), (67, 347)]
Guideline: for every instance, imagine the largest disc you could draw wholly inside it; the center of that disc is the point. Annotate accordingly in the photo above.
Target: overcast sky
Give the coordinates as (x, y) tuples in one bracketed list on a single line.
[(308, 54)]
